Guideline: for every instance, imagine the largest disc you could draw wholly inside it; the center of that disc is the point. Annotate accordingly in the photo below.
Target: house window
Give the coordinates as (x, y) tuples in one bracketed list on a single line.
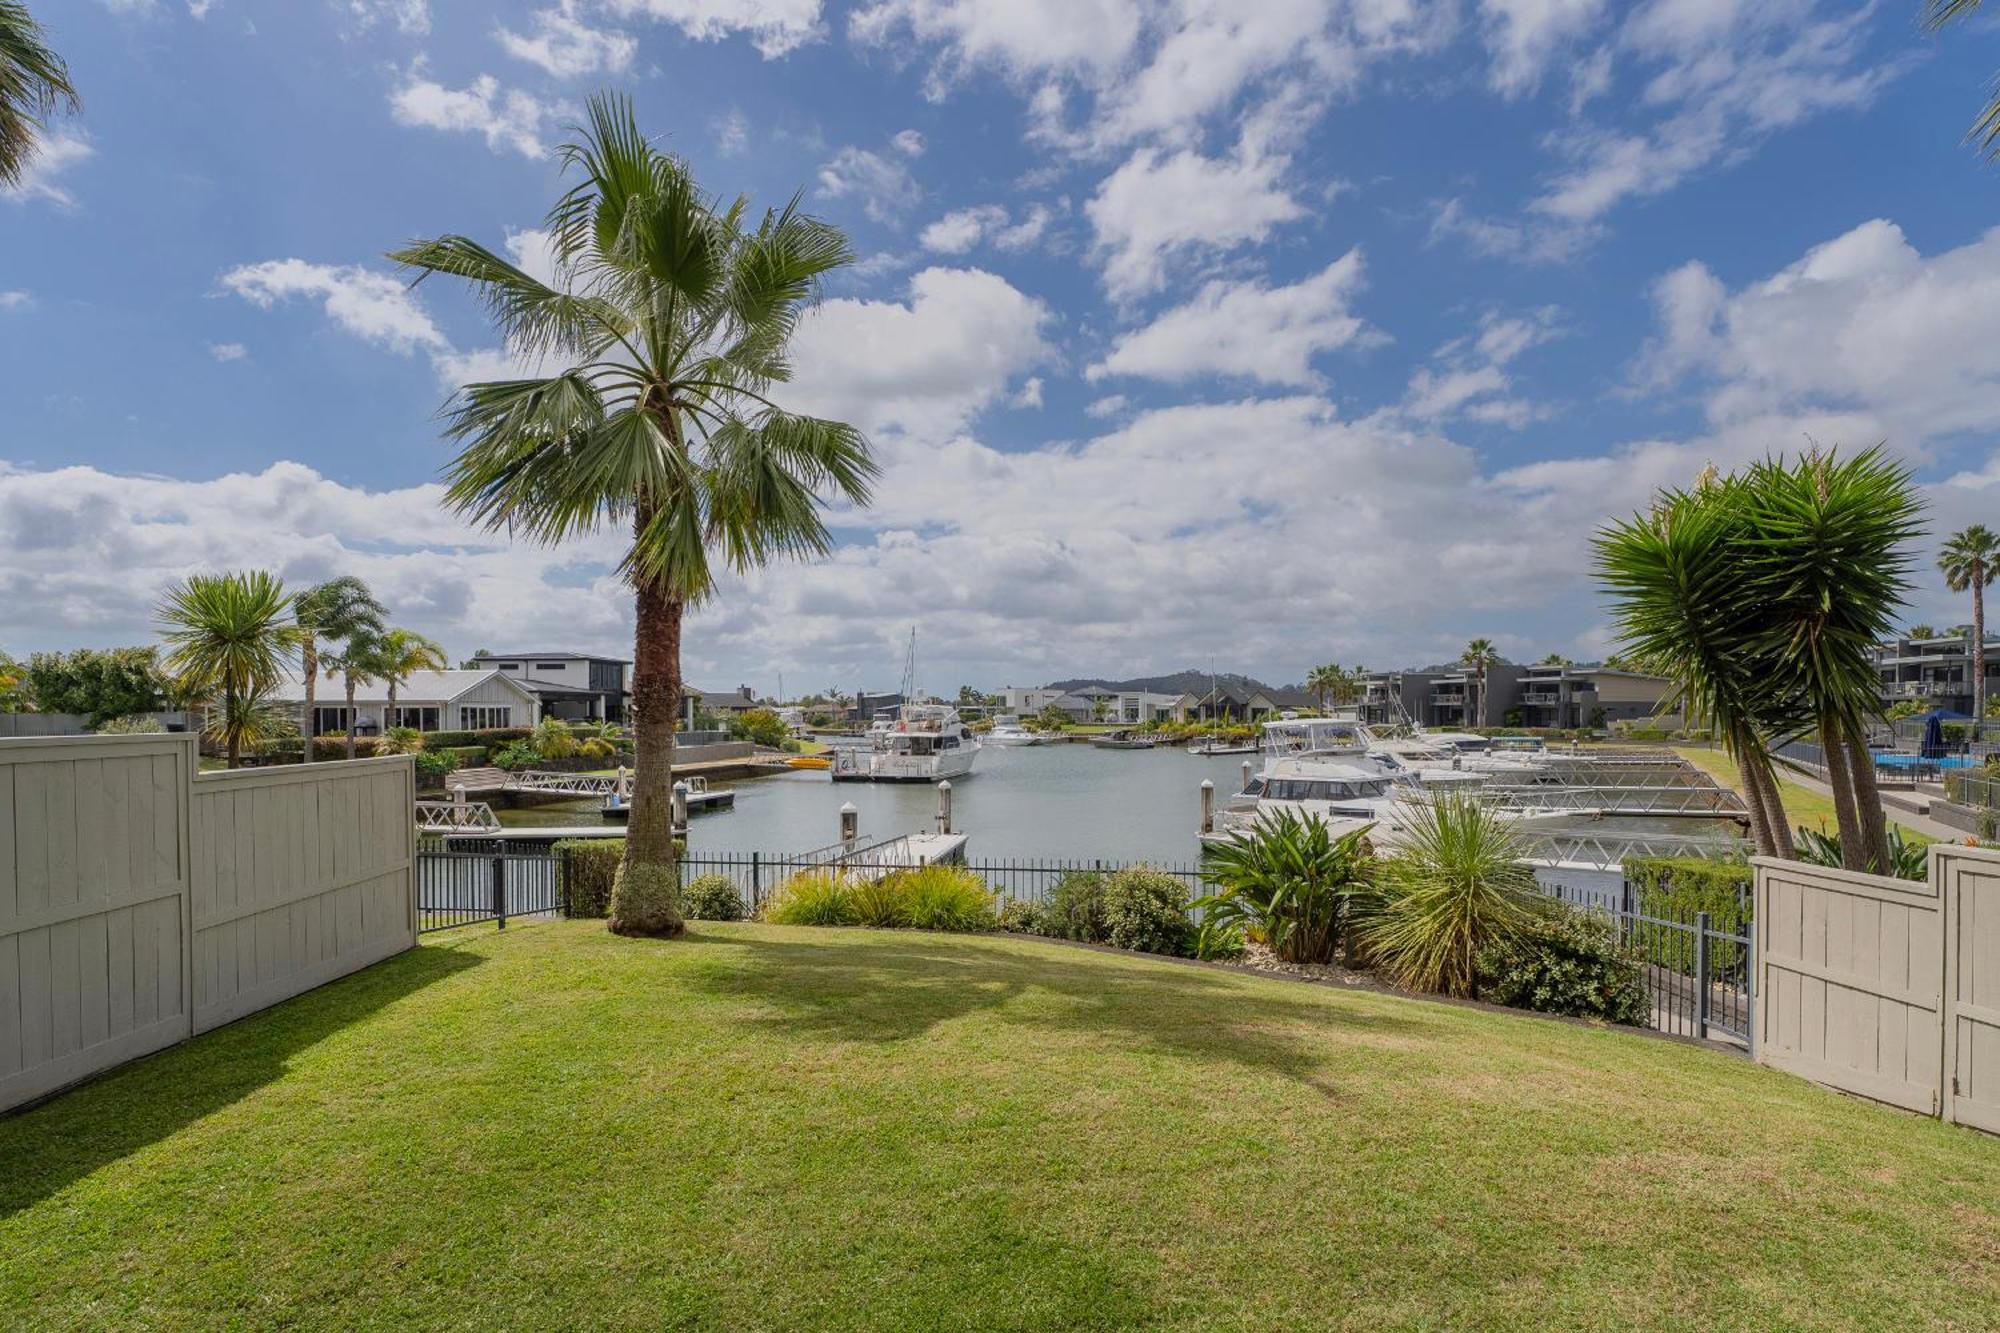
[(422, 718), (550, 666), (327, 720), (479, 717)]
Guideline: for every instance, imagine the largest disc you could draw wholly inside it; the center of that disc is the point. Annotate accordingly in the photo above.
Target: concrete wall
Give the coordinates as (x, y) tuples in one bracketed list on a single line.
[(141, 902)]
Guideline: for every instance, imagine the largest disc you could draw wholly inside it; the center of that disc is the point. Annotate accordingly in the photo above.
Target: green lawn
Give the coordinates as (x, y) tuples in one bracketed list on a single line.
[(1807, 808), (770, 1127)]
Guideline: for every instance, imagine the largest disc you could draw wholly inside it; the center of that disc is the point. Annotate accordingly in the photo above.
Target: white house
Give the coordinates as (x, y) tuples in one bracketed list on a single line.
[(428, 701), (1028, 702), (1138, 707)]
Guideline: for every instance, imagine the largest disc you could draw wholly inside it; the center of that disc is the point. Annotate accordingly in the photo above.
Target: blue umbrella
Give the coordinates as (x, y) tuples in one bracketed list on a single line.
[(1933, 746)]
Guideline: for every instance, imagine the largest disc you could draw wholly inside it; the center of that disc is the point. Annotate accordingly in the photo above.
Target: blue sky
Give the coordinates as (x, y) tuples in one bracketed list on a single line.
[(1187, 332)]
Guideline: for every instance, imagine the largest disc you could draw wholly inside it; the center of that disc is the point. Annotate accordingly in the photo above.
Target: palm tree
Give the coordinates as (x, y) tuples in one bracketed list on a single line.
[(1479, 655), (1555, 659), (399, 652), (1971, 560), (1827, 574), (1985, 132), (1672, 581), (673, 313), (340, 608), (34, 84), (232, 634), (1320, 681), (359, 662)]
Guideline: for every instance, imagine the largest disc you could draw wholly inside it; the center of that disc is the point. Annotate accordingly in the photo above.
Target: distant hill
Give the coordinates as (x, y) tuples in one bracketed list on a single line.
[(1180, 682)]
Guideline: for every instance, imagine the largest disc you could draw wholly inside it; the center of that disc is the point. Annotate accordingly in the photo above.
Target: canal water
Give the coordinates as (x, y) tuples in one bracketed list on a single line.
[(1047, 802), (1071, 801)]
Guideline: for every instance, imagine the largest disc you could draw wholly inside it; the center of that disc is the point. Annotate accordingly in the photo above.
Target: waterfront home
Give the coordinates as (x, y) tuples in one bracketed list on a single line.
[(573, 686), (1935, 669), (1138, 707), (1533, 696), (427, 700), (1025, 702)]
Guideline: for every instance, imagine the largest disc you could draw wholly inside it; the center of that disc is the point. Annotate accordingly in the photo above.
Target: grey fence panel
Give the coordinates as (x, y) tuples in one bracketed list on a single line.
[(302, 874), (1850, 980), (1969, 881), (94, 869)]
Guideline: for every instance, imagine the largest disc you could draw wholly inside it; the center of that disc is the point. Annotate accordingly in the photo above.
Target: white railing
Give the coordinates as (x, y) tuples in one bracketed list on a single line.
[(1610, 849), (450, 816), (1615, 800)]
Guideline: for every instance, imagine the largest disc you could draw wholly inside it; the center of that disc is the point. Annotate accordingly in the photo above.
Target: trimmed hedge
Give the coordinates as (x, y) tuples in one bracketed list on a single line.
[(1676, 887), (712, 898), (589, 867), (1147, 910)]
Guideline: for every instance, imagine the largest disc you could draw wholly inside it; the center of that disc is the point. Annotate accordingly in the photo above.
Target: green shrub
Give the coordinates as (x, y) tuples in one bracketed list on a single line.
[(1458, 884), (1147, 911), (553, 739), (760, 726), (517, 755), (712, 898), (131, 726), (590, 866), (400, 740), (1023, 917), (945, 898), (880, 903), (462, 756), (432, 767), (1076, 907), (1290, 880), (813, 898), (1219, 941), (1565, 962)]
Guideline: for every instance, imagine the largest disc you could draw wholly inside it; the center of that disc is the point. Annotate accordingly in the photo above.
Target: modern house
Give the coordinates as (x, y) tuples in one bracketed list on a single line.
[(572, 686), (1138, 707), (1532, 696), (1027, 702), (723, 703), (1935, 670), (428, 701)]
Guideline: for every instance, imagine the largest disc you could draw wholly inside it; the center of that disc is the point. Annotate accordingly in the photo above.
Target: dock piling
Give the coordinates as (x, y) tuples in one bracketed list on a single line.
[(1207, 806), (680, 805), (850, 823), (944, 805)]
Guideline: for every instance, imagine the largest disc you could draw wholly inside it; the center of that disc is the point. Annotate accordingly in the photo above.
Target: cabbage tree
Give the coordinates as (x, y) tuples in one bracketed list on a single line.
[(659, 345), (232, 636)]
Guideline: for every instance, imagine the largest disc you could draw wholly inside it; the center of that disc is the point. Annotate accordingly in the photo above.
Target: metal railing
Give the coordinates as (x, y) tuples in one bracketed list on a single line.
[(452, 816), (1597, 849), (1678, 800), (465, 888), (1699, 979)]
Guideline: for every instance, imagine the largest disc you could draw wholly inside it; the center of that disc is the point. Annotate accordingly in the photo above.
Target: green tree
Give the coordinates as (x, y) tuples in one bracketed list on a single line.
[(230, 635), (1921, 632), (673, 311), (761, 726), (1480, 654), (339, 610), (400, 653), (34, 85), (359, 661), (1970, 561), (98, 684), (15, 696), (1985, 131)]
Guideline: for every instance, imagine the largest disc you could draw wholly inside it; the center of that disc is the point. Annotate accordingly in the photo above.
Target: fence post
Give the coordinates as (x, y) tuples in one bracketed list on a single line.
[(562, 883), (500, 890), (1701, 991), (756, 879)]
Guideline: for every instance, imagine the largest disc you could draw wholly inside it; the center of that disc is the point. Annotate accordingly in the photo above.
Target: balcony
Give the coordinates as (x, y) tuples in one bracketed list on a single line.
[(1448, 698)]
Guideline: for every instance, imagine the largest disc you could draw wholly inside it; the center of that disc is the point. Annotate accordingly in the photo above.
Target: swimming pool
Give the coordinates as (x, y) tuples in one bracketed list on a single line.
[(1914, 760)]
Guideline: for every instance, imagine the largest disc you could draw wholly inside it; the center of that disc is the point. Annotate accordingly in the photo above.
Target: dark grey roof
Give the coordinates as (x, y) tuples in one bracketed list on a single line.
[(554, 652)]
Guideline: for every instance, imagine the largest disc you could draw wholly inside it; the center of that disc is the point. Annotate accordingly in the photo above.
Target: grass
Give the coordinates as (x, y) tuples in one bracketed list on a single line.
[(1805, 807), (762, 1126)]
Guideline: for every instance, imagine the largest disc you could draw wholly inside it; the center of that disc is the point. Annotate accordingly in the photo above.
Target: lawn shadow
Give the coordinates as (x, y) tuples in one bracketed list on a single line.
[(884, 987), (47, 1147)]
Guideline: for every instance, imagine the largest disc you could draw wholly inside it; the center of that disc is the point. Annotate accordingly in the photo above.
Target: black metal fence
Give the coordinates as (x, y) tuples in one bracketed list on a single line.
[(1698, 975), (464, 888)]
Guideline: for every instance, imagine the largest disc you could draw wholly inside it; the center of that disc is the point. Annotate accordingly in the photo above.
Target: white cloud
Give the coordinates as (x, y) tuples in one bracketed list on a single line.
[(1524, 36), (198, 9), (372, 306), (882, 181), (57, 153), (775, 27), (732, 133), (963, 229), (1533, 240), (1247, 329), (1030, 394), (566, 46), (228, 351), (408, 16), (925, 366), (907, 142), (1110, 405), (1862, 323), (1158, 207), (85, 554), (14, 301), (1468, 377), (507, 117)]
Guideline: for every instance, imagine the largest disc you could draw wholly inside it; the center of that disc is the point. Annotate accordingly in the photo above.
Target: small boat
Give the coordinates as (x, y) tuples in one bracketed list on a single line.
[(1124, 740), (1012, 734), (809, 761), (1215, 746), (618, 805)]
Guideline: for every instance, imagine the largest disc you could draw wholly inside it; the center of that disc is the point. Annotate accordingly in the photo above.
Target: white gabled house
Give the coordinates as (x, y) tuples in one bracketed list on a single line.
[(428, 701)]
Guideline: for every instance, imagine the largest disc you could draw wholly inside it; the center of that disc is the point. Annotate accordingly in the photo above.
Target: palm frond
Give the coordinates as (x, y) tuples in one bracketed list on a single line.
[(34, 84)]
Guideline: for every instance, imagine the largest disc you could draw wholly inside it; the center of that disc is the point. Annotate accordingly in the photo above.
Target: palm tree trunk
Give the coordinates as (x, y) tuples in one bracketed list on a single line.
[(1978, 649), (389, 718), (233, 734), (1868, 807), (309, 657), (646, 900), (1753, 798), (1840, 777), (351, 718)]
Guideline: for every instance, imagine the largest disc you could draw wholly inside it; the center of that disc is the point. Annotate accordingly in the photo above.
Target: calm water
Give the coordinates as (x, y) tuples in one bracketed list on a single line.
[(1066, 801), (1045, 802)]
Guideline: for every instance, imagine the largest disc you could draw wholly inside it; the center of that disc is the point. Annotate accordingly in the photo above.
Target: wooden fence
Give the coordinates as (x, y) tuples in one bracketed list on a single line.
[(1883, 987), (142, 902)]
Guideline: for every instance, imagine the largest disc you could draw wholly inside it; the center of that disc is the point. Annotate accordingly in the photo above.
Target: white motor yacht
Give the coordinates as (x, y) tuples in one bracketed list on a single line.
[(1013, 734), (1329, 770), (924, 743)]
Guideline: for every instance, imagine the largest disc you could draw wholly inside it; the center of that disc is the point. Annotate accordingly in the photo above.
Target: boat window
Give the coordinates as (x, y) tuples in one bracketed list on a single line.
[(1256, 787)]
